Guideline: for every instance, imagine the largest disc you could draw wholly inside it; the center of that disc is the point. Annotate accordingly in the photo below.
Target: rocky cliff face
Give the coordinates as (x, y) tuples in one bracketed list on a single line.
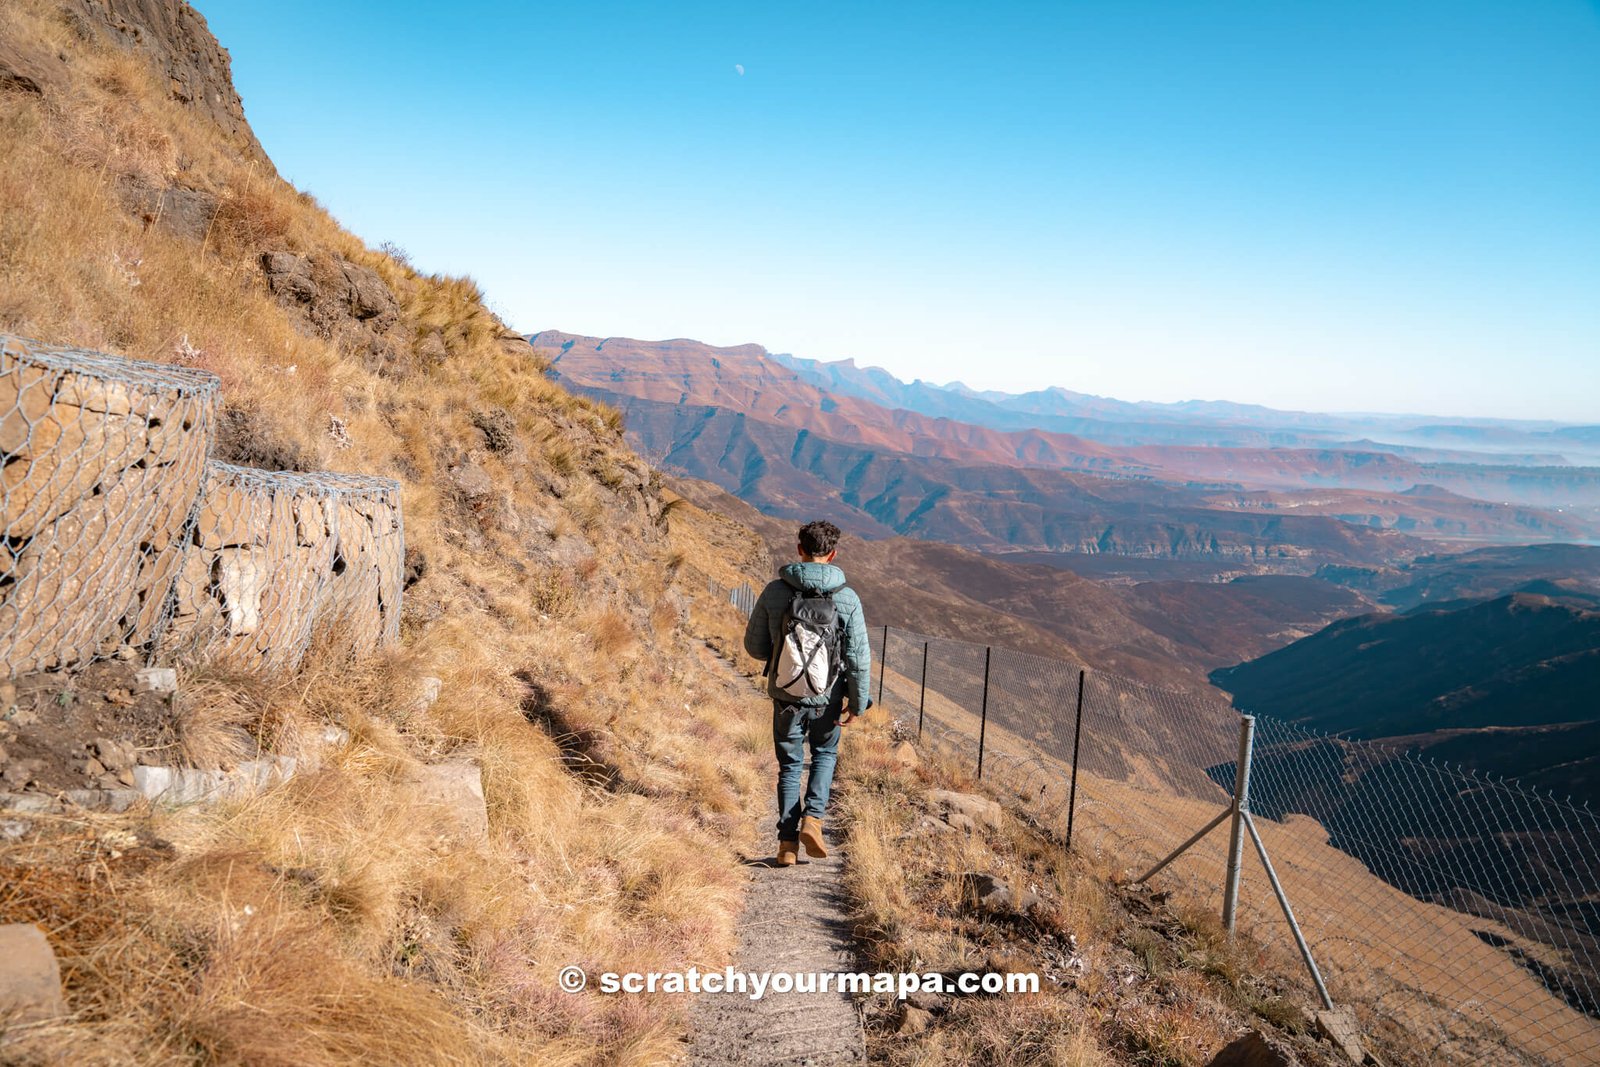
[(175, 36)]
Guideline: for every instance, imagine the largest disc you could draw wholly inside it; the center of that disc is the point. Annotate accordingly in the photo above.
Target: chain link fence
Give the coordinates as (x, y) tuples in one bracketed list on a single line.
[(1458, 918)]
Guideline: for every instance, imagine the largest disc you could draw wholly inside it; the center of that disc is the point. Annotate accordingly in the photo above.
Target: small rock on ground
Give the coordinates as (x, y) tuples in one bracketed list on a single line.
[(1253, 1050), (30, 978), (967, 811)]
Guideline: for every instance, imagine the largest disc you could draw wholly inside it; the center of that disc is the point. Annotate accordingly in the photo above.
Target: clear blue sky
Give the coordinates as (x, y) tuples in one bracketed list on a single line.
[(1383, 206)]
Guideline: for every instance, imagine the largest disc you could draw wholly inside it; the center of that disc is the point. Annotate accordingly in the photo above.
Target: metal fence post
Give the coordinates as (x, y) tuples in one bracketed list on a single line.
[(983, 722), (883, 663), (1241, 806), (922, 697), (1077, 736)]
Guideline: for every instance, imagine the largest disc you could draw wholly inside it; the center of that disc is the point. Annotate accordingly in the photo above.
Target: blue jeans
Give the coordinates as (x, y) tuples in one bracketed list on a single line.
[(791, 732)]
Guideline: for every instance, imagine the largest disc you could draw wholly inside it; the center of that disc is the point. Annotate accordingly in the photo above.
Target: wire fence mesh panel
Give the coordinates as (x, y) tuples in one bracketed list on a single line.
[(1154, 767), (102, 459), (1033, 718), (897, 674), (1465, 910), (741, 597), (954, 702), (277, 558)]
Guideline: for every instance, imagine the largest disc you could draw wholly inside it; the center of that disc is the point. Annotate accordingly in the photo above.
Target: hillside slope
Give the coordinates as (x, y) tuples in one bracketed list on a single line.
[(335, 920), (1505, 686)]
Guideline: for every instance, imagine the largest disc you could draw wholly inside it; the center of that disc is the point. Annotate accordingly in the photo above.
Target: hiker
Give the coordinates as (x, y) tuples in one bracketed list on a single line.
[(808, 627)]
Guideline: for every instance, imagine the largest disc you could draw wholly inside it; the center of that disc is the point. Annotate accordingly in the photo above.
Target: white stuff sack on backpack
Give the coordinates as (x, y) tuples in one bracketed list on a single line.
[(807, 664), (803, 663)]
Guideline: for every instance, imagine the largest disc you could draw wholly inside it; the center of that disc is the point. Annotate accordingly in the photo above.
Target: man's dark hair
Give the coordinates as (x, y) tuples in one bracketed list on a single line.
[(818, 538)]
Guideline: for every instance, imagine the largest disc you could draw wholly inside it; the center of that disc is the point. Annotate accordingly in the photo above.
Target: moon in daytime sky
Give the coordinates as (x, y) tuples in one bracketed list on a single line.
[(740, 68)]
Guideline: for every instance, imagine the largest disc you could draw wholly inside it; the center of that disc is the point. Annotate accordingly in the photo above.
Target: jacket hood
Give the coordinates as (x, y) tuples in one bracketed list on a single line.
[(812, 577)]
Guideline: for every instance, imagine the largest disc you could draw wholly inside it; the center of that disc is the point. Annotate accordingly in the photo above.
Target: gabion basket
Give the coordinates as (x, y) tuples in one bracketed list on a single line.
[(278, 559), (102, 461)]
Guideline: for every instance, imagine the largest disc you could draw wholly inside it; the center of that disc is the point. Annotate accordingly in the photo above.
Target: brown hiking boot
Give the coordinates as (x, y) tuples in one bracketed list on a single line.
[(811, 837), (788, 853)]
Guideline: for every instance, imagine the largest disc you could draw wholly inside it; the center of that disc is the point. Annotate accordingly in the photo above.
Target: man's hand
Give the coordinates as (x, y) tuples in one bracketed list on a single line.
[(845, 714)]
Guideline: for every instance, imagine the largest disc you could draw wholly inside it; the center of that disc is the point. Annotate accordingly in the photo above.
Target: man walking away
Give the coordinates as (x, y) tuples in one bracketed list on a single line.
[(809, 629)]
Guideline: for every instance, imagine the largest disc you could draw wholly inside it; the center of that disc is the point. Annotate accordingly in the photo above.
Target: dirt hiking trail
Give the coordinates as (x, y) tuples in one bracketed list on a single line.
[(794, 921)]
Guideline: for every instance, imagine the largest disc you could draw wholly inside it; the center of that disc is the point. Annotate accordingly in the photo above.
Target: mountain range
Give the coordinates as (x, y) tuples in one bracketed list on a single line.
[(794, 443), (1214, 423), (1169, 633), (1505, 685)]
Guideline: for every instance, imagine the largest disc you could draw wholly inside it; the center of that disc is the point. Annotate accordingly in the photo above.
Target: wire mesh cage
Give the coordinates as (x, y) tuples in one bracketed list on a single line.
[(102, 461), (278, 559), (360, 603)]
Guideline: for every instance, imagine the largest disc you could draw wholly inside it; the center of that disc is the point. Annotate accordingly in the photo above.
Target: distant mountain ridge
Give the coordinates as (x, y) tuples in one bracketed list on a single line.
[(1505, 685), (1560, 571), (774, 436), (1211, 422), (1168, 633)]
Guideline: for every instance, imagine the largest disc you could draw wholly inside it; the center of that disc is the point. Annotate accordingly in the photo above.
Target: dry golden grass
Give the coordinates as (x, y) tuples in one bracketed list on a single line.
[(706, 545), (612, 633), (334, 893), (1153, 986), (214, 723), (332, 920)]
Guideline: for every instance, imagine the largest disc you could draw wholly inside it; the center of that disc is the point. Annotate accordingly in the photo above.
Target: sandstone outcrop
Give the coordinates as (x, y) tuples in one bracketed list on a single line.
[(333, 292), (179, 211)]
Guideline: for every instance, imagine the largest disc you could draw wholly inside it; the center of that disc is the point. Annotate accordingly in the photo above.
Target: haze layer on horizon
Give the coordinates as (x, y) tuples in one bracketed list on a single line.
[(1361, 206)]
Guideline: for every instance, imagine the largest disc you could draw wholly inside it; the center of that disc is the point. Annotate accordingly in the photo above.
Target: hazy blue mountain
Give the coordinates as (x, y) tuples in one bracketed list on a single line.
[(1212, 422)]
